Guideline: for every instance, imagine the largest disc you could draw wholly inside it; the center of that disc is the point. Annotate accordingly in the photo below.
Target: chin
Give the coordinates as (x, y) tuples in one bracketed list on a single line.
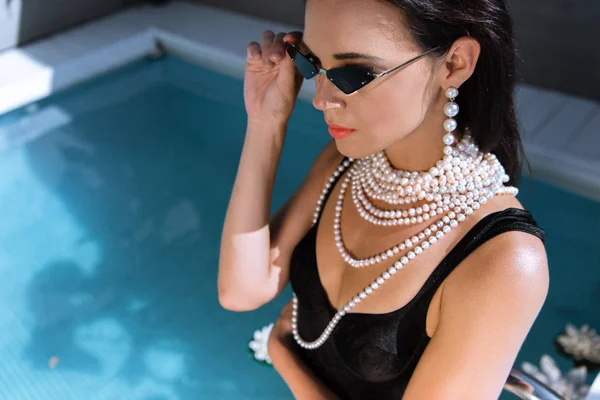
[(355, 148)]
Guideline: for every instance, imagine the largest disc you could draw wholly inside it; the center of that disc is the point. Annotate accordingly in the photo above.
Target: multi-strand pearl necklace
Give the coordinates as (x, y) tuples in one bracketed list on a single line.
[(454, 188)]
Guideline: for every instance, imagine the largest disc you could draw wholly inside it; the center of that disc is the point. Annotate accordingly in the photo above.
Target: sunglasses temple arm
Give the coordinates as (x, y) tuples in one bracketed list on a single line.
[(389, 71)]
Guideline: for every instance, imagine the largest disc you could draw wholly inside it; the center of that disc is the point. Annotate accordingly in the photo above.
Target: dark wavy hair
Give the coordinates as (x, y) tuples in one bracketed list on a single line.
[(486, 99)]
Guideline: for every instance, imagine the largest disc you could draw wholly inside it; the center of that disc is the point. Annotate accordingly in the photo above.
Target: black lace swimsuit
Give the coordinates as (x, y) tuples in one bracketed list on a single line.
[(372, 356)]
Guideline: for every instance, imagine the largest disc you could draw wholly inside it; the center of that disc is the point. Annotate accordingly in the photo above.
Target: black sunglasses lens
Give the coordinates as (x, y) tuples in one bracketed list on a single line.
[(350, 79), (306, 68)]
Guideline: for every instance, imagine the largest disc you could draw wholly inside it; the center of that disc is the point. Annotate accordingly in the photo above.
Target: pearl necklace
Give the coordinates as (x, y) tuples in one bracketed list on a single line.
[(459, 194), (463, 186), (460, 183)]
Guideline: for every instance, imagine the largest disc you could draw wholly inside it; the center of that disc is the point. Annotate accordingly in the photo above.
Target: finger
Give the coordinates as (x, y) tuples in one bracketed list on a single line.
[(254, 51), (278, 47), (267, 41), (294, 38)]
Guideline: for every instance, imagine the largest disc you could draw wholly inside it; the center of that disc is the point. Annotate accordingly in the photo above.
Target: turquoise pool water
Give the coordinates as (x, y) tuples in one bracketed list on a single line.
[(112, 196)]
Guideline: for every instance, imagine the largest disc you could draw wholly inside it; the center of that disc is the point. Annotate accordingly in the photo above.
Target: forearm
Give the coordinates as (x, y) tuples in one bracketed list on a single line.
[(246, 229), (301, 381), (255, 178)]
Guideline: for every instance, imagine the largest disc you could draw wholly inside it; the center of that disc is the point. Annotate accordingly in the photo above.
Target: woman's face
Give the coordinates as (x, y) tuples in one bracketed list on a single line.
[(387, 109)]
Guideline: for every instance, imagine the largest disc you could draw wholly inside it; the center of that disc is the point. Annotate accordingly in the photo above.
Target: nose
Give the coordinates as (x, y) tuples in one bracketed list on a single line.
[(327, 96)]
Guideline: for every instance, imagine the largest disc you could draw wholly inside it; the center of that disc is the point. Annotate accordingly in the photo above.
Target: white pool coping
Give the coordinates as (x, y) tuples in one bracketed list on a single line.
[(560, 132)]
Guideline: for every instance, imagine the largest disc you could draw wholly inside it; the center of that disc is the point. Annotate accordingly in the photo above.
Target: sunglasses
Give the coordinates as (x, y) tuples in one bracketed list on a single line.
[(348, 78)]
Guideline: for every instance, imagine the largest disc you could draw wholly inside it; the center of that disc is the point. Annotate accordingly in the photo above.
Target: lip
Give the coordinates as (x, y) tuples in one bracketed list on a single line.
[(339, 132)]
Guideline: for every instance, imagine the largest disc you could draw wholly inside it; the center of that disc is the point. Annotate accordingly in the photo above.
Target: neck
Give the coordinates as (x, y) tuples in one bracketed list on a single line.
[(422, 148), (417, 152)]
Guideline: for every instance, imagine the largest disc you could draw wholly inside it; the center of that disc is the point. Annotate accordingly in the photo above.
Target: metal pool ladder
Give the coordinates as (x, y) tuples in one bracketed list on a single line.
[(526, 387)]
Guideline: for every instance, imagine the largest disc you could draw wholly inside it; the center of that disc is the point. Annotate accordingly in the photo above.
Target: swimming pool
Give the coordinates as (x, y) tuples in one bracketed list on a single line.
[(113, 194)]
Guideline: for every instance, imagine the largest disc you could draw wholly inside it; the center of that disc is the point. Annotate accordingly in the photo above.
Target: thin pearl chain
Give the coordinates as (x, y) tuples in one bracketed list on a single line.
[(328, 185)]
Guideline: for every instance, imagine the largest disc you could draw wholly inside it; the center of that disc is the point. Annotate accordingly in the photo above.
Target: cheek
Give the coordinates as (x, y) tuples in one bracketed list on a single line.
[(393, 111), (386, 113)]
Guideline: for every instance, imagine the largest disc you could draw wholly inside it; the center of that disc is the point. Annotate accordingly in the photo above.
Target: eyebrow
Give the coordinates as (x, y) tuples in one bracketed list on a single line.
[(355, 56), (347, 56)]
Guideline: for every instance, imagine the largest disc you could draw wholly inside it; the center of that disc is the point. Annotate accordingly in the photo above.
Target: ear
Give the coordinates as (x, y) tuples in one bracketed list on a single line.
[(460, 62)]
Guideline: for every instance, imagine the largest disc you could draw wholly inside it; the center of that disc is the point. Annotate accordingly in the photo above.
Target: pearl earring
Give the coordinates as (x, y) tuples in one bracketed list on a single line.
[(450, 110)]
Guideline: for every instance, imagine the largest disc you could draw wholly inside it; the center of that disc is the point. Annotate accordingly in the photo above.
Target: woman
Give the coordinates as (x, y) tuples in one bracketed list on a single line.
[(419, 274)]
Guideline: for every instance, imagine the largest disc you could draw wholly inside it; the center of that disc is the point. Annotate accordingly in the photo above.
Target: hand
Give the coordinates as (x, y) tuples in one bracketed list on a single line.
[(282, 331), (271, 81)]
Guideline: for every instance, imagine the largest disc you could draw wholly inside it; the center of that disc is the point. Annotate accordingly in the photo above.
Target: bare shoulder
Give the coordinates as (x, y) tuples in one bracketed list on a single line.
[(488, 305), (512, 265), (513, 255)]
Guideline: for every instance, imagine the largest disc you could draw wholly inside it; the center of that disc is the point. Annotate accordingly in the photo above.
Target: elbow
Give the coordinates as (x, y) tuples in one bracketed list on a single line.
[(242, 292), (233, 304), (237, 302)]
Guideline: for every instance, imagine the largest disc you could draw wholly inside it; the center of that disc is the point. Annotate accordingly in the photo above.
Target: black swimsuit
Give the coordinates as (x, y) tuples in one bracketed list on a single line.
[(372, 356)]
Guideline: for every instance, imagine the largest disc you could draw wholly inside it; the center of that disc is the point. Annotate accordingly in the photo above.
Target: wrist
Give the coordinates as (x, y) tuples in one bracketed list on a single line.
[(267, 127), (265, 138)]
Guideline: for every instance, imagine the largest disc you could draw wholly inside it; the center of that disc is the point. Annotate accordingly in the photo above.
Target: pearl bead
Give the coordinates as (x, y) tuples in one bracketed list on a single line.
[(451, 93), (449, 125), (451, 109)]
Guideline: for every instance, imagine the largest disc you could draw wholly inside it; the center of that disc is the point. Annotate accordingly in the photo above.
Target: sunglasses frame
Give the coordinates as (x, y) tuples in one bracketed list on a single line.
[(312, 59)]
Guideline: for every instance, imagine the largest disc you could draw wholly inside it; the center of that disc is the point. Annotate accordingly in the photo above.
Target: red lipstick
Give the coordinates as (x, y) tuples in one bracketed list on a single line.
[(339, 132)]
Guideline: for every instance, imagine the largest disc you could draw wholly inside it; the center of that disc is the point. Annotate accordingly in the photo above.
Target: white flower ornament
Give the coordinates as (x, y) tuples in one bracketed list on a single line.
[(571, 386), (259, 344), (581, 344)]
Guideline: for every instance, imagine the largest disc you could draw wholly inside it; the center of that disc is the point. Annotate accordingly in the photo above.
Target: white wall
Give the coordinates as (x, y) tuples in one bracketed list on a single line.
[(286, 11), (22, 21), (10, 15)]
